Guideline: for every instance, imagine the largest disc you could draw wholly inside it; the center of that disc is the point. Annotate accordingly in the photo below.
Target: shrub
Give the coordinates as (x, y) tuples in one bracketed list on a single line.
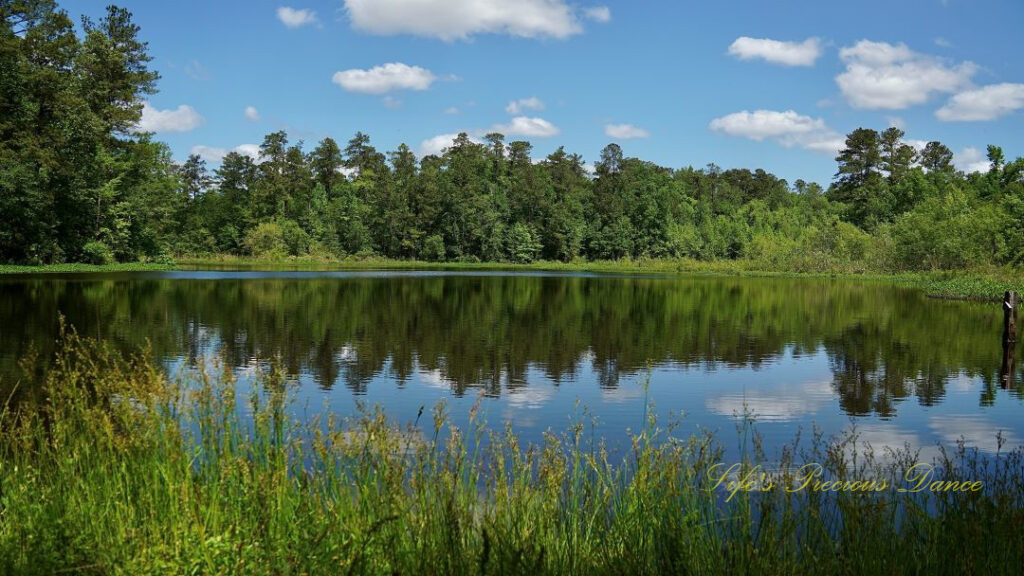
[(522, 244), (295, 238), (266, 239), (97, 252), (433, 248)]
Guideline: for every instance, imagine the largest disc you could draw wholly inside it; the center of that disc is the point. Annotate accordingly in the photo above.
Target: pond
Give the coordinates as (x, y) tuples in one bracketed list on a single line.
[(540, 351)]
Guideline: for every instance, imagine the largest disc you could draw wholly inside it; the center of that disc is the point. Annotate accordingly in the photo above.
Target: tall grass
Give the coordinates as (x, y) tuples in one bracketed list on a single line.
[(120, 470)]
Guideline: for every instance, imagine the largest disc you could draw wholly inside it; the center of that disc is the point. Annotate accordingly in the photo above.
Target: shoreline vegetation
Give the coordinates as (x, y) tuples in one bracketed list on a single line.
[(121, 470), (986, 285)]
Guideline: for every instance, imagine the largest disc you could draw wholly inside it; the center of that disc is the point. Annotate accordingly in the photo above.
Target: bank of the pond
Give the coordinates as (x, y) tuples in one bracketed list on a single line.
[(118, 471), (982, 284), (75, 268)]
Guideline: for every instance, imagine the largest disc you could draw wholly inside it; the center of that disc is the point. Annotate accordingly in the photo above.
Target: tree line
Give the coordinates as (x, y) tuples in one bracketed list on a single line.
[(79, 184)]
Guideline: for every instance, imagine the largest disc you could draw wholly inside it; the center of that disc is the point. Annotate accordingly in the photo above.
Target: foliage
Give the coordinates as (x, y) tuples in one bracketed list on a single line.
[(267, 239), (97, 252), (74, 172)]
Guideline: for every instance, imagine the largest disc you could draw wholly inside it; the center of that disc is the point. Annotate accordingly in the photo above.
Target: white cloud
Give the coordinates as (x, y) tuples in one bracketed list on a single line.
[(787, 128), (971, 159), (887, 441), (986, 103), (598, 14), (777, 52), (777, 406), (216, 155), (392, 102), (625, 131), (459, 19), (525, 126), (451, 111), (529, 397), (435, 379), (916, 144), (250, 150), (517, 107), (762, 124), (296, 18), (882, 75), (182, 119), (436, 145), (382, 79), (251, 113), (976, 432)]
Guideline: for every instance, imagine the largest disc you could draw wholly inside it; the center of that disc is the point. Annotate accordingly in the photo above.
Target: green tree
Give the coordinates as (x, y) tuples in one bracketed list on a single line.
[(936, 157)]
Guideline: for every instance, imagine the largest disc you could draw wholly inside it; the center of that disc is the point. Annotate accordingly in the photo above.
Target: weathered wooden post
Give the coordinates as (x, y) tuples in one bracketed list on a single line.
[(1010, 300), (1010, 317)]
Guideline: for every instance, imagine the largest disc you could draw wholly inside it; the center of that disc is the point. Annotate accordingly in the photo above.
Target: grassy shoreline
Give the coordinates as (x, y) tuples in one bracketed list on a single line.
[(123, 471), (982, 284)]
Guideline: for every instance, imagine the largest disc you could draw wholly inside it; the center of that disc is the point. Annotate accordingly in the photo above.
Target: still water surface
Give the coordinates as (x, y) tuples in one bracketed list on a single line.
[(542, 348)]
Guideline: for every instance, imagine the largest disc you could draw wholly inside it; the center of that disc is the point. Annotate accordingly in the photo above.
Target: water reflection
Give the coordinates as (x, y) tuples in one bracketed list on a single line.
[(523, 338)]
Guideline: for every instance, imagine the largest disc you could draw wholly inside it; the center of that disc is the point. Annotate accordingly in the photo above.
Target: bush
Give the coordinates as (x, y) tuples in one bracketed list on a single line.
[(522, 244), (433, 248), (943, 233), (295, 238), (97, 252), (266, 239)]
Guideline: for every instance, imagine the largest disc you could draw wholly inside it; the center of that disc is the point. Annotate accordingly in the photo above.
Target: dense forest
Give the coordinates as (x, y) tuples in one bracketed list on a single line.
[(78, 183)]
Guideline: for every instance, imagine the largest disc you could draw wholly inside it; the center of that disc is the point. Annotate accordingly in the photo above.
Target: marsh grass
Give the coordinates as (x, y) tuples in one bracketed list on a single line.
[(120, 470), (982, 284)]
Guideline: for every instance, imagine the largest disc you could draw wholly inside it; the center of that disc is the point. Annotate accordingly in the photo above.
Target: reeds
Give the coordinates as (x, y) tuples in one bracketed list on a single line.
[(120, 470)]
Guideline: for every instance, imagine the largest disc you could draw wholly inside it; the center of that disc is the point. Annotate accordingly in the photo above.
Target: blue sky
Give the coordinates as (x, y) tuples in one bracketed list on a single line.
[(755, 84)]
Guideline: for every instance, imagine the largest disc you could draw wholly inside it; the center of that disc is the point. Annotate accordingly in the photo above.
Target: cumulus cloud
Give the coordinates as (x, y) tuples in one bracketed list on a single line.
[(382, 79), (787, 128), (598, 14), (976, 432), (296, 18), (181, 119), (437, 145), (625, 131), (460, 19), (777, 52), (526, 126), (971, 159), (775, 406), (517, 107), (252, 114), (986, 103), (893, 77), (888, 440), (216, 155), (530, 397)]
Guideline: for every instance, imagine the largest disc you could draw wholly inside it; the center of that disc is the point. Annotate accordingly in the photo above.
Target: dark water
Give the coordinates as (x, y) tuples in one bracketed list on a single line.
[(542, 348)]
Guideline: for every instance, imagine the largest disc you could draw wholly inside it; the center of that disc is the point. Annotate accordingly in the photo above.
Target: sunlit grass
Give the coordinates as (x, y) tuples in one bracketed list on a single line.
[(986, 284), (74, 268)]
